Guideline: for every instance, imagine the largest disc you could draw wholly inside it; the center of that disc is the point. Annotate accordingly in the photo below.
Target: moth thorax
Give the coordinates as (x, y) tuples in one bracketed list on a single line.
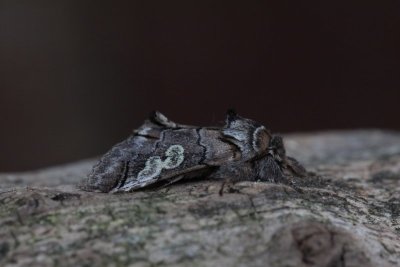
[(261, 139)]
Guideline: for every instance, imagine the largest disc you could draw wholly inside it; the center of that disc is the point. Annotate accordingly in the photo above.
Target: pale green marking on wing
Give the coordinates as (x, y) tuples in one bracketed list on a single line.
[(174, 158), (154, 165)]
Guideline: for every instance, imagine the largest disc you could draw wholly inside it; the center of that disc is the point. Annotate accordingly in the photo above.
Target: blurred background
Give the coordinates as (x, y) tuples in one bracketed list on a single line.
[(77, 76)]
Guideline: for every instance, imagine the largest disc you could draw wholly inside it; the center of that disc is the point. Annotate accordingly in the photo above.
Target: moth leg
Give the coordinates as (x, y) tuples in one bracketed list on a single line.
[(268, 170), (230, 183), (236, 171), (232, 173)]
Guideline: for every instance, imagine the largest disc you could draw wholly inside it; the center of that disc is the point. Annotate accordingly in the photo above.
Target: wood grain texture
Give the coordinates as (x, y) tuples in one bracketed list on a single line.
[(347, 214)]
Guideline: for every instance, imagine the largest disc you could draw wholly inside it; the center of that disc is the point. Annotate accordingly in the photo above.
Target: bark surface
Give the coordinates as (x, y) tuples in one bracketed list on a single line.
[(346, 213)]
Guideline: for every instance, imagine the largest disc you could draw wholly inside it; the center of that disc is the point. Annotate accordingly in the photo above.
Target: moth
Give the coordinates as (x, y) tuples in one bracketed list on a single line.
[(163, 152)]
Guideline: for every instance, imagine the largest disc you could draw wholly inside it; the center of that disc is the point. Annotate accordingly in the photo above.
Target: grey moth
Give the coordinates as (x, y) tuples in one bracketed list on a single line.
[(162, 152)]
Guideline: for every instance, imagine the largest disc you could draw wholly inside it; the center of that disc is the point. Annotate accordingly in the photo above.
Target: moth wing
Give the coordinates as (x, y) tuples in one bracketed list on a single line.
[(113, 167), (195, 151), (218, 149), (161, 150), (175, 152)]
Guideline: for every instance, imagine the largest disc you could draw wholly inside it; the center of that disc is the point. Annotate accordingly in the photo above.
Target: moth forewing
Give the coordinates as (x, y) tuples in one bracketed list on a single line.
[(158, 151)]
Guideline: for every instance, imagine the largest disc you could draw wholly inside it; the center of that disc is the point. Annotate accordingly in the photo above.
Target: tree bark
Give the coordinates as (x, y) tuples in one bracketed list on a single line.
[(345, 213)]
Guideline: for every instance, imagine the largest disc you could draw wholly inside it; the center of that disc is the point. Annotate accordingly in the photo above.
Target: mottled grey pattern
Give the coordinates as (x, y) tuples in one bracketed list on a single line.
[(164, 151)]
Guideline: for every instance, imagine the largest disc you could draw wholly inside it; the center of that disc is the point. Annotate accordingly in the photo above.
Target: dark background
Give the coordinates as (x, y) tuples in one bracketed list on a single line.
[(78, 76)]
